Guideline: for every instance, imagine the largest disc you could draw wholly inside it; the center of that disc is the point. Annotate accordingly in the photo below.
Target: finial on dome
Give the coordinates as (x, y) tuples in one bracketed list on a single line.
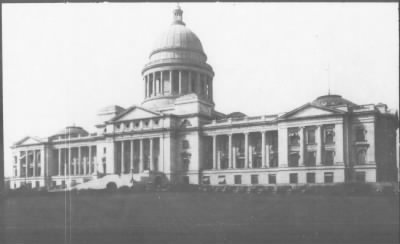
[(178, 15)]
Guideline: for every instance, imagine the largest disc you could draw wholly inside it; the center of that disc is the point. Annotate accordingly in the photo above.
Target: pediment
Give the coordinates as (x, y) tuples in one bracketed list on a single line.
[(309, 110), (28, 141), (135, 113)]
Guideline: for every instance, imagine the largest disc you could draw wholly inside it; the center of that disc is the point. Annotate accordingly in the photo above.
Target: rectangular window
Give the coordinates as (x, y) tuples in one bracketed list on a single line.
[(63, 183), (185, 144), (310, 135), (310, 177), (37, 184), (294, 159), (360, 134), (293, 178), (206, 180), (272, 179), (254, 179), (221, 180), (329, 157), (310, 158), (329, 134), (360, 177), (238, 179), (294, 138), (328, 177)]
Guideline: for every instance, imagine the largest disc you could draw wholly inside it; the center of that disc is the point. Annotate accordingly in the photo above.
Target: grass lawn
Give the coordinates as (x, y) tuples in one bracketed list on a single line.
[(168, 217)]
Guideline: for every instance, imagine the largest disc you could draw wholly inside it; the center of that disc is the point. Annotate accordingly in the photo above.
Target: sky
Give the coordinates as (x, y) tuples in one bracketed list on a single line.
[(62, 63)]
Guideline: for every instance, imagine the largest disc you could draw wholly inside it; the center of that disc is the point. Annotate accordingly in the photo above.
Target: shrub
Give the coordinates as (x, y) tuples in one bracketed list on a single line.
[(111, 186), (283, 189)]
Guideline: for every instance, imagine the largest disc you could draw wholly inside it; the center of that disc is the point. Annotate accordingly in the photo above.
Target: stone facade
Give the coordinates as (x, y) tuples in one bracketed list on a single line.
[(177, 134)]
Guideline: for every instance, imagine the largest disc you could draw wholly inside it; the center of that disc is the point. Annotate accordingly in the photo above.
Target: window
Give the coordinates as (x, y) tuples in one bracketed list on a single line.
[(294, 159), (360, 134), (311, 158), (63, 183), (156, 122), (206, 180), (329, 157), (37, 184), (254, 179), (185, 144), (127, 125), (272, 179), (221, 180), (310, 177), (360, 177), (294, 138), (361, 155), (329, 135), (104, 150), (328, 177), (146, 123), (310, 135), (293, 178), (136, 124), (238, 179)]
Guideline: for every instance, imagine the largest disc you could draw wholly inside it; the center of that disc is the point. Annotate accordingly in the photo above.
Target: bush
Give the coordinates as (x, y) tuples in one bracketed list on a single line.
[(283, 189), (111, 187)]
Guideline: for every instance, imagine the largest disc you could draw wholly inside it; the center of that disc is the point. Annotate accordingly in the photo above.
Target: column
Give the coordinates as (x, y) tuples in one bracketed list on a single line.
[(131, 157), (69, 160), (85, 162), (246, 150), (161, 157), (234, 157), (34, 163), (302, 141), (161, 83), (42, 170), (154, 84), (339, 144), (90, 161), (198, 85), (151, 154), (79, 162), (123, 157), (189, 82), (230, 151), (65, 162), (75, 167), (18, 165), (267, 151), (319, 145), (59, 161), (146, 88), (170, 82), (141, 162), (263, 160), (180, 82), (26, 163), (214, 151), (282, 147), (211, 89)]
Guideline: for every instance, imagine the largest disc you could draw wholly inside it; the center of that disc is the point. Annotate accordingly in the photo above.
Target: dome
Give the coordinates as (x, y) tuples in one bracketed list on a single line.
[(178, 42), (72, 131), (178, 36), (332, 100)]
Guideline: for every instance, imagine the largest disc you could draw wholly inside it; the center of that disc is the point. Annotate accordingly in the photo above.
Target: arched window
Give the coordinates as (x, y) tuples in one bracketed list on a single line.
[(361, 156)]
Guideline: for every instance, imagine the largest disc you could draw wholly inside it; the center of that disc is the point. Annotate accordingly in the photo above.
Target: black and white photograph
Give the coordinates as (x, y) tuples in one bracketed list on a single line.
[(200, 122)]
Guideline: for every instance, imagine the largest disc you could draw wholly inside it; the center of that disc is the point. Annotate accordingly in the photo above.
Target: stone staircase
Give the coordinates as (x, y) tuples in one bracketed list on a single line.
[(119, 180)]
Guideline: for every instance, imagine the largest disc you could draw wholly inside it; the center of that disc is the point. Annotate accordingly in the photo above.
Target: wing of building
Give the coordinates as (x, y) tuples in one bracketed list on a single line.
[(176, 135)]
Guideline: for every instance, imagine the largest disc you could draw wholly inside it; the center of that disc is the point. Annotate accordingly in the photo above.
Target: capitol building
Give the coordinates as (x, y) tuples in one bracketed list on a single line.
[(175, 135)]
